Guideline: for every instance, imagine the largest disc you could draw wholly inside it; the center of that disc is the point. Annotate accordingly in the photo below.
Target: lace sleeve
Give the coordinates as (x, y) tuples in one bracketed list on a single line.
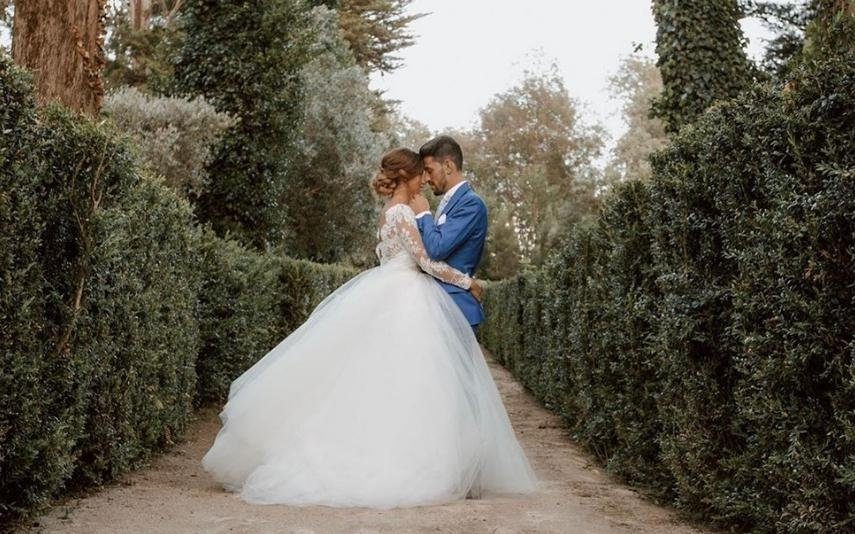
[(404, 221)]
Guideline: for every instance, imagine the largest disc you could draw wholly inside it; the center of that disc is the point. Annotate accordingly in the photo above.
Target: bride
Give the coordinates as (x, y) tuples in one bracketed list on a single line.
[(382, 398)]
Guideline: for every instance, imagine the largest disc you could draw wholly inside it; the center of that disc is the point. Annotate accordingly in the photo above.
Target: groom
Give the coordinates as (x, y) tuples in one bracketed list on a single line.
[(457, 233)]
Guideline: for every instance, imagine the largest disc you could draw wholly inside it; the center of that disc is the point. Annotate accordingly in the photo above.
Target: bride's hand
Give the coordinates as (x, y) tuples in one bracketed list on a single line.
[(419, 204), (476, 289)]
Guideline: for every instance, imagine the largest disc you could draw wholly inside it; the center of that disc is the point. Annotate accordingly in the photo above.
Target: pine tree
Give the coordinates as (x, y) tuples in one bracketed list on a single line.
[(375, 30)]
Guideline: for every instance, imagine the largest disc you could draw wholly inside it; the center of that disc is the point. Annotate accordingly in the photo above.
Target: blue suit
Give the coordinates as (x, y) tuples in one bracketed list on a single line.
[(459, 242)]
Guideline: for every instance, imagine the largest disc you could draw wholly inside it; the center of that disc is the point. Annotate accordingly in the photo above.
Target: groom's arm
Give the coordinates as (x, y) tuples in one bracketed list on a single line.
[(441, 240)]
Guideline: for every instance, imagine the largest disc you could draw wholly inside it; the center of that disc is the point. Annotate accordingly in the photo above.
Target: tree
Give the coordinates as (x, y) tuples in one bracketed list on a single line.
[(533, 155), (172, 136), (255, 76), (788, 23), (375, 30), (143, 39), (701, 57), (331, 212), (61, 42), (831, 30), (5, 11), (636, 84), (803, 30), (407, 132)]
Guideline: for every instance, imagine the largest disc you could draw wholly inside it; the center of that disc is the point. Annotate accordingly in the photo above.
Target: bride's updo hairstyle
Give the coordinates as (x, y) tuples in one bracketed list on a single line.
[(397, 165)]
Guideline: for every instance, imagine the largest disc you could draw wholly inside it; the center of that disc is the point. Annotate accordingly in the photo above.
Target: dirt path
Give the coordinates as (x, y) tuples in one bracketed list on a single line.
[(175, 495)]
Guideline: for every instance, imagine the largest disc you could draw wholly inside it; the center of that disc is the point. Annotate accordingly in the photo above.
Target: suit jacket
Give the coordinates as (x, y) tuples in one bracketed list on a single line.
[(459, 241)]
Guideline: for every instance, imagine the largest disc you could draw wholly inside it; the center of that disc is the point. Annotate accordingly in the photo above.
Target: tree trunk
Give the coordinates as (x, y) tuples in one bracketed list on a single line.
[(140, 13), (828, 10), (61, 42)]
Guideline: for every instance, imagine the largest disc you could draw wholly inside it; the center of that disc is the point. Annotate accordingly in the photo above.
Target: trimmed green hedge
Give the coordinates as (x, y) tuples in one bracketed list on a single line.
[(248, 303), (116, 310), (98, 304), (699, 336)]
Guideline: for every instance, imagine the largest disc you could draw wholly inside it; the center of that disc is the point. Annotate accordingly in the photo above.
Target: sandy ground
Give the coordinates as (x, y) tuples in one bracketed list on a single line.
[(175, 495)]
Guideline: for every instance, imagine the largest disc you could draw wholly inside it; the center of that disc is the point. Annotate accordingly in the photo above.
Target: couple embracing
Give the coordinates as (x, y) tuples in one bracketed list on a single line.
[(382, 398)]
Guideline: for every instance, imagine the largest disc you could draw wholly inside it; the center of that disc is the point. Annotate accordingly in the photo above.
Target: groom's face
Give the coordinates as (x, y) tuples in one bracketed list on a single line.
[(436, 175)]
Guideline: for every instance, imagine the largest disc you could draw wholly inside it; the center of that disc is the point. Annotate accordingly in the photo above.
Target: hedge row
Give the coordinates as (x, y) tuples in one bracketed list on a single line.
[(98, 304), (116, 310), (699, 337), (248, 302)]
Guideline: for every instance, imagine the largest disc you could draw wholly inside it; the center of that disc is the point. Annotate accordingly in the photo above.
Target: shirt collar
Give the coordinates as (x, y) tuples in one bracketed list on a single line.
[(450, 193)]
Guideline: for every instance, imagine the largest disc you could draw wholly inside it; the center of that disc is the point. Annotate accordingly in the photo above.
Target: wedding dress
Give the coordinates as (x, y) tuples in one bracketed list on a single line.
[(382, 398)]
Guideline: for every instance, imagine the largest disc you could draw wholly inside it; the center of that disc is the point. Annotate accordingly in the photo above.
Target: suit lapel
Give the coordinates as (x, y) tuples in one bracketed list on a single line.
[(462, 190)]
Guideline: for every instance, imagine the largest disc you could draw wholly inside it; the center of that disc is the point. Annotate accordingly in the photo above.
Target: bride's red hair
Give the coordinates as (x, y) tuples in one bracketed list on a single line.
[(396, 166)]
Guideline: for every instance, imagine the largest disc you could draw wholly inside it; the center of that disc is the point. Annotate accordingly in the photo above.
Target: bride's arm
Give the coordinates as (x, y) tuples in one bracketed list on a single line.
[(408, 232)]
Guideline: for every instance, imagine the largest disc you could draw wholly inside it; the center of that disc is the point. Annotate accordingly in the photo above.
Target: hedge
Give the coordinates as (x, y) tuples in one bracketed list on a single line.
[(250, 301), (98, 304), (117, 311), (699, 336)]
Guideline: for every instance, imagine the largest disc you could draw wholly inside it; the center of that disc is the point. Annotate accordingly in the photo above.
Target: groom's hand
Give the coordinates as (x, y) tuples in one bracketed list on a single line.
[(419, 204)]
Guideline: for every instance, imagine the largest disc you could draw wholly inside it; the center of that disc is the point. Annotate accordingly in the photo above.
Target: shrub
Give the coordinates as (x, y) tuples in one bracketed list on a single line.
[(173, 136), (34, 442), (142, 334), (698, 337), (98, 308), (239, 314), (250, 301)]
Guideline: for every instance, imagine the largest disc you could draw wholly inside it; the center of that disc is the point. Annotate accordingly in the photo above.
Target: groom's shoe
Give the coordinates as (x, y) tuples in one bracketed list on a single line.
[(474, 492)]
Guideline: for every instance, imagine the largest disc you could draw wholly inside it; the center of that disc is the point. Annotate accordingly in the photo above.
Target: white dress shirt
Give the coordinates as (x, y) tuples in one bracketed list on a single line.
[(446, 198)]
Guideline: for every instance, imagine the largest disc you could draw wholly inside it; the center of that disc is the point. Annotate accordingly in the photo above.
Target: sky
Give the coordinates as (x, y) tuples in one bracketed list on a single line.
[(466, 51)]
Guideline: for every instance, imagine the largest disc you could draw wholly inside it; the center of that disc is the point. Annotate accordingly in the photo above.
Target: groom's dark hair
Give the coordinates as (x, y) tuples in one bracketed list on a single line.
[(443, 147)]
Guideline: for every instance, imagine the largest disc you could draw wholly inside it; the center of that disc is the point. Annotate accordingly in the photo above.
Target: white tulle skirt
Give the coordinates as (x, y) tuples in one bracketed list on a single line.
[(382, 398)]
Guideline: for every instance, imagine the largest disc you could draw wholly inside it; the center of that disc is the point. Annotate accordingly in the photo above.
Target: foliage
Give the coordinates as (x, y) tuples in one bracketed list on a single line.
[(111, 300), (249, 301), (142, 333), (98, 304), (701, 57), (376, 29), (787, 21), (831, 30), (331, 211), (531, 156), (804, 31), (142, 57), (636, 84), (698, 336), (6, 15), (239, 318), (173, 136), (254, 75), (408, 132)]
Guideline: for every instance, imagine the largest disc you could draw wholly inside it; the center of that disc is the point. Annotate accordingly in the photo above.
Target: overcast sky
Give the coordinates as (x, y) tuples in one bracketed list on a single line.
[(468, 50)]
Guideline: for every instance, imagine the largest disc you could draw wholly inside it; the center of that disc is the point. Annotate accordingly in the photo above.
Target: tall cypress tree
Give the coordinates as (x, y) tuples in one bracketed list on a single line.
[(245, 57), (701, 57)]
